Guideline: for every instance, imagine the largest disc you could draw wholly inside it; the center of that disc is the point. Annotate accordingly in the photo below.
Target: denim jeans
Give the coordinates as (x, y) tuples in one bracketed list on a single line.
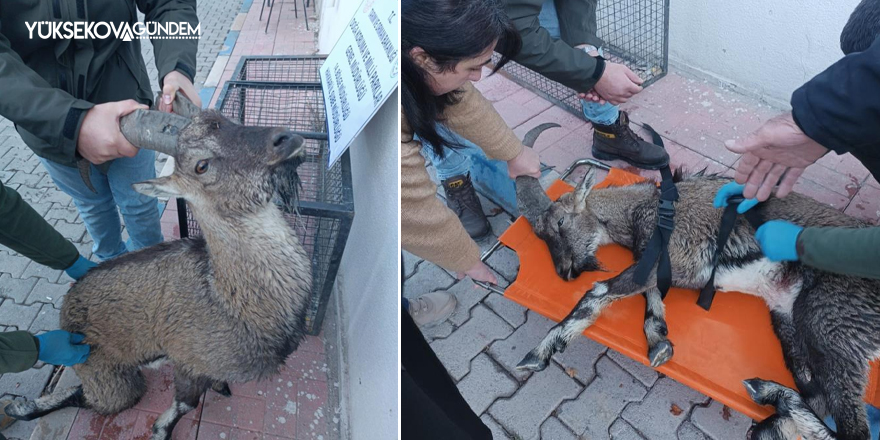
[(605, 114), (455, 161), (99, 211)]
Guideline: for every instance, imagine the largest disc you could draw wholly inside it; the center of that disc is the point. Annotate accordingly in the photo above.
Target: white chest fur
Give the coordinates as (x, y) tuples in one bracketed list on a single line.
[(760, 278)]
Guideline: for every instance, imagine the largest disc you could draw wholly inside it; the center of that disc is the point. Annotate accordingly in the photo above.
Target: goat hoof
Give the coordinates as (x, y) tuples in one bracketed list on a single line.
[(222, 388), (763, 392), (660, 353), (21, 410), (532, 362)]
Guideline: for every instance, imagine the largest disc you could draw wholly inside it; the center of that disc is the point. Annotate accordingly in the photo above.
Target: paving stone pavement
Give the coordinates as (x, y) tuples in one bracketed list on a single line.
[(31, 294)]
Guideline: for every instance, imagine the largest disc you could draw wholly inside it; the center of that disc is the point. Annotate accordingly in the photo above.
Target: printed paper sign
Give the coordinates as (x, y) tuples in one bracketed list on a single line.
[(360, 72)]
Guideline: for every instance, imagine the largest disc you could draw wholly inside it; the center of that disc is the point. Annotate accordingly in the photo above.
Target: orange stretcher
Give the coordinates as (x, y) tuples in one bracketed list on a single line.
[(715, 350)]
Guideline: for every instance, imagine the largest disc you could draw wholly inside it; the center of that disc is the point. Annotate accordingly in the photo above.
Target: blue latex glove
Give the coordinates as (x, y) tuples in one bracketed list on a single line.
[(778, 240), (59, 347), (730, 190)]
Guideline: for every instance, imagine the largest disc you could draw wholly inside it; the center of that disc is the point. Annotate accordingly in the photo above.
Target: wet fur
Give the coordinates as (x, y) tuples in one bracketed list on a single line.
[(226, 307), (829, 324)]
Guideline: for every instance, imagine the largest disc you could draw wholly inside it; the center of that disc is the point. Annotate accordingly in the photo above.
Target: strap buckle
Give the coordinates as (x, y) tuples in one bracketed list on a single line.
[(666, 214)]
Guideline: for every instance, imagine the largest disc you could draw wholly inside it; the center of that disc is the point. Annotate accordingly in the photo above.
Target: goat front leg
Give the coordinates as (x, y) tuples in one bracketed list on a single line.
[(187, 392), (793, 415), (41, 406), (584, 315), (659, 347)]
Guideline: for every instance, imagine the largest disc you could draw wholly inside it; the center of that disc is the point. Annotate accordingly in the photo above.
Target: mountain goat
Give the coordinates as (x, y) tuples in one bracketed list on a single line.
[(828, 324), (226, 307)]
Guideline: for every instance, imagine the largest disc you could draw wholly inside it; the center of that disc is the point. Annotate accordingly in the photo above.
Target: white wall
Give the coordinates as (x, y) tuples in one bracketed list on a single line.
[(369, 281), (767, 47), (369, 277)]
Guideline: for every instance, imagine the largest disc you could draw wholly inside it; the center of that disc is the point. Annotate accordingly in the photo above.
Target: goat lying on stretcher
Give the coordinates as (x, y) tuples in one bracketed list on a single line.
[(828, 324)]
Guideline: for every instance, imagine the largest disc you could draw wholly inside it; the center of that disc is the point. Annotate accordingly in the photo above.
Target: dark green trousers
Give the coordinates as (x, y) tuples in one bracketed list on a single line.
[(25, 232)]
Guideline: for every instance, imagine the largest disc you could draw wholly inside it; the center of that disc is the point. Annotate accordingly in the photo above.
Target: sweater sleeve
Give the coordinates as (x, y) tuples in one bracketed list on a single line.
[(18, 351), (428, 228), (475, 119), (848, 251), (839, 108)]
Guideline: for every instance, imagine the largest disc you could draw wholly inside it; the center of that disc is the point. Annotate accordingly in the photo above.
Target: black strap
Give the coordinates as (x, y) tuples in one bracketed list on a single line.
[(658, 245), (728, 221)]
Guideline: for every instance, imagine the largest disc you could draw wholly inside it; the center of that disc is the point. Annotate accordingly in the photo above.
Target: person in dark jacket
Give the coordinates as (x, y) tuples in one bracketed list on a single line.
[(24, 231), (560, 42), (838, 110), (65, 97)]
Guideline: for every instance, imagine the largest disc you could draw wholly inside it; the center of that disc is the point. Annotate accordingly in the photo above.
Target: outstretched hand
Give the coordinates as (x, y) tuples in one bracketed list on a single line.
[(779, 149)]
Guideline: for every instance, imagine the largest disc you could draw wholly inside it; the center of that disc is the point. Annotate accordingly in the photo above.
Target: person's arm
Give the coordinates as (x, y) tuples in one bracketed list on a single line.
[(29, 101), (18, 351), (840, 107), (474, 119), (556, 60), (428, 228), (173, 54), (848, 251)]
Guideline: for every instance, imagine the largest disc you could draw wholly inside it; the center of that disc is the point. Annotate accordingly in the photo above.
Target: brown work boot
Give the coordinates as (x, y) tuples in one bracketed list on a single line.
[(461, 198), (619, 142), (432, 308)]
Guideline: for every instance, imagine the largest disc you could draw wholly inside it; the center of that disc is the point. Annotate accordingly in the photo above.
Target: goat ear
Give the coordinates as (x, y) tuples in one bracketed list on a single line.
[(583, 189), (160, 187)]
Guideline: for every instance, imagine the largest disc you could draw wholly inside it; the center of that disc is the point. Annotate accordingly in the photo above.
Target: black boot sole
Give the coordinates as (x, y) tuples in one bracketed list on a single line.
[(601, 155)]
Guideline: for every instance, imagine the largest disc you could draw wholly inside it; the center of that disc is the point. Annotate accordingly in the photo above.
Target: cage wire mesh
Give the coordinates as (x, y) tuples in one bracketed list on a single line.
[(290, 69), (635, 33), (325, 209)]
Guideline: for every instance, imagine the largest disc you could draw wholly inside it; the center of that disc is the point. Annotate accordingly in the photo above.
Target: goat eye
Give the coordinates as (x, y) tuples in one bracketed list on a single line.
[(560, 222), (201, 166)]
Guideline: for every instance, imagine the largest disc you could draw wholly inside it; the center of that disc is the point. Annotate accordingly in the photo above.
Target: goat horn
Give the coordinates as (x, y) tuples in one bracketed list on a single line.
[(184, 107), (531, 198), (530, 137), (153, 130)]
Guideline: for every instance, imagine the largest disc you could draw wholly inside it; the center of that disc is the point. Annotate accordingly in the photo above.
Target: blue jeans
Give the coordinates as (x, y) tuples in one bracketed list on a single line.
[(99, 211), (455, 161), (873, 422), (604, 114)]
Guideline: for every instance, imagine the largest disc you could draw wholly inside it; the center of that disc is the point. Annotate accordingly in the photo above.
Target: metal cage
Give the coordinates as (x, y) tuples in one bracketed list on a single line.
[(635, 32), (325, 210)]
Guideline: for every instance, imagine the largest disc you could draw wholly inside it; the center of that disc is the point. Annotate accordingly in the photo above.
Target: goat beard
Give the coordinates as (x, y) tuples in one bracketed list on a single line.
[(287, 184)]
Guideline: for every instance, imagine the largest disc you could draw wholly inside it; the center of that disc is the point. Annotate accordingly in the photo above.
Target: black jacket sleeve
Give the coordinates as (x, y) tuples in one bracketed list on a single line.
[(557, 60), (840, 107), (50, 114), (173, 54)]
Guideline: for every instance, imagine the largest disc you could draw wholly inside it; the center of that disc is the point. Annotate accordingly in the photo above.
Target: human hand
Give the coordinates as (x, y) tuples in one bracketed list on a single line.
[(778, 149), (778, 240), (592, 95), (618, 83), (60, 347), (730, 190), (527, 163), (99, 137), (480, 272), (174, 82)]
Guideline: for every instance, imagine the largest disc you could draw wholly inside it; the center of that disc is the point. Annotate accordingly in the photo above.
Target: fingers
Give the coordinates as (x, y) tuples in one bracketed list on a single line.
[(76, 338), (490, 278), (756, 179), (744, 167), (633, 77), (788, 180), (169, 92), (124, 147), (746, 205), (770, 181)]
